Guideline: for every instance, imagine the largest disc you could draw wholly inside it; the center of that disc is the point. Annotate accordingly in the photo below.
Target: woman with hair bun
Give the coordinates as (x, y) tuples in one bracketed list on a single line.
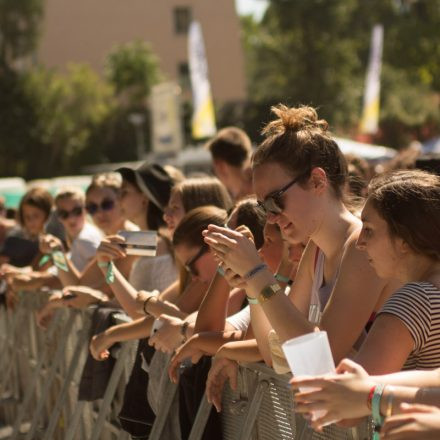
[(299, 175)]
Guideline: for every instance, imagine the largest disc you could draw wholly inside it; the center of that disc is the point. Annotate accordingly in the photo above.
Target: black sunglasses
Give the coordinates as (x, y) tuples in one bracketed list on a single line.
[(63, 214), (273, 202), (105, 205), (190, 264)]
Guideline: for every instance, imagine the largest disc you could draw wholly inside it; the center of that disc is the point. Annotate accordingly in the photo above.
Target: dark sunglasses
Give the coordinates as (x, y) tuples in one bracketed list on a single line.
[(273, 202), (190, 264), (63, 214), (105, 205)]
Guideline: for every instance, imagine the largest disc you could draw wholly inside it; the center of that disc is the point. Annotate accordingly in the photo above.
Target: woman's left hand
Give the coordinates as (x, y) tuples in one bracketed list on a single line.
[(234, 248), (414, 423)]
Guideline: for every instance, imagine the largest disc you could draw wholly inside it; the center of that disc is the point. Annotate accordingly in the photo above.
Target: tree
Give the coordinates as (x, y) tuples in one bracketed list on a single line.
[(19, 29), (316, 52), (133, 69), (69, 108)]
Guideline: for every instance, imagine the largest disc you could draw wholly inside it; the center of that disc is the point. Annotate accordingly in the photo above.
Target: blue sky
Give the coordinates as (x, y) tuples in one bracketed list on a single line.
[(254, 7)]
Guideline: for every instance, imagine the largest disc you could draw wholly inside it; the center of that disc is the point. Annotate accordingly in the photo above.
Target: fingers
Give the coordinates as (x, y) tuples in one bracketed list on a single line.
[(305, 381), (395, 422), (172, 369), (417, 408), (348, 366), (221, 230)]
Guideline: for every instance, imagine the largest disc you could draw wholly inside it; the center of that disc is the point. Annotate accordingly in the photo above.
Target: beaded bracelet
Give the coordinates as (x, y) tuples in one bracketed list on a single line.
[(254, 271)]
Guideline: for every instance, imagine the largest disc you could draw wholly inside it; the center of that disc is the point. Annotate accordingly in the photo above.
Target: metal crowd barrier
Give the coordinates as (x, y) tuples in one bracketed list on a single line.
[(41, 372), (261, 408)]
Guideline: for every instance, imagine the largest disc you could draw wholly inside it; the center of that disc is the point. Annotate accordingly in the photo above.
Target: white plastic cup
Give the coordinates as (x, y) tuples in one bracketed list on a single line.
[(310, 355)]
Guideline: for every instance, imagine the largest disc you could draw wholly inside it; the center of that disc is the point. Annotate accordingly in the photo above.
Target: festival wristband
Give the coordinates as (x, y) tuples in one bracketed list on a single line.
[(375, 408), (282, 278), (58, 258), (220, 271), (109, 276)]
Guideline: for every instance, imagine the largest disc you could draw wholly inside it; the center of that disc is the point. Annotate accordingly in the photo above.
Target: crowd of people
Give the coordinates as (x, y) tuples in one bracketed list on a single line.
[(286, 239)]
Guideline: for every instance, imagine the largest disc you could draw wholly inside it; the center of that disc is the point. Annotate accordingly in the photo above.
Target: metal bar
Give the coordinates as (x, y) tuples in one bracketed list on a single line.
[(201, 419), (73, 365), (49, 379)]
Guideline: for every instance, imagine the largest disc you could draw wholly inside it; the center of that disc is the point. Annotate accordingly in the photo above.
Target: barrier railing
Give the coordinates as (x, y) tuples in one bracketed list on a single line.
[(40, 377), (41, 372)]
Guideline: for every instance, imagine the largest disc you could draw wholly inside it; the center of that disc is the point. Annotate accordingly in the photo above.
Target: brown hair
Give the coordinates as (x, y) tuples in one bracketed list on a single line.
[(110, 180), (249, 213), (232, 145), (199, 191), (70, 192), (189, 231), (299, 142), (409, 201), (37, 197)]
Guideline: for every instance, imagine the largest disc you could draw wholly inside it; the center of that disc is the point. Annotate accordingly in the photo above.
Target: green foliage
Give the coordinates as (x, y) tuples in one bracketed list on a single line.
[(316, 52), (19, 29), (51, 119), (133, 69)]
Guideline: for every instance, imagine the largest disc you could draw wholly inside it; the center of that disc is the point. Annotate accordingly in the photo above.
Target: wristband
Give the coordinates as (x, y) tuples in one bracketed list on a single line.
[(254, 271), (370, 397), (375, 408), (220, 271), (58, 258), (282, 278), (109, 276)]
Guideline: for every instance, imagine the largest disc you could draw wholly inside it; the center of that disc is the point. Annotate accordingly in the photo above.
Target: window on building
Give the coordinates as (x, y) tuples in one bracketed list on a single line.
[(182, 19), (183, 75)]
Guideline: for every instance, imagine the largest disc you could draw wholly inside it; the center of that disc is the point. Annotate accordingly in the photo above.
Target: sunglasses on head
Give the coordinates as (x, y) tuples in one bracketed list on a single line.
[(63, 214), (106, 205), (273, 202), (190, 264)]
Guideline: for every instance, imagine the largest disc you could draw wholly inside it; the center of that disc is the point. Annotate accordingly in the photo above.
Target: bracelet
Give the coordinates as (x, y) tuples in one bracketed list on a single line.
[(254, 271), (370, 397), (109, 276), (220, 271), (144, 307), (375, 406), (282, 278), (183, 329), (390, 398)]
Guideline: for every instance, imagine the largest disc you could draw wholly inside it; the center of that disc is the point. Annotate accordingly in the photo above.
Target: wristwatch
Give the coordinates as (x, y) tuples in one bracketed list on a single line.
[(266, 293)]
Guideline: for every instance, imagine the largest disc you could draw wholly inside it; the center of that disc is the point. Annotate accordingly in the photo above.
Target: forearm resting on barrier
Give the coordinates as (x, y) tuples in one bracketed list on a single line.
[(241, 351)]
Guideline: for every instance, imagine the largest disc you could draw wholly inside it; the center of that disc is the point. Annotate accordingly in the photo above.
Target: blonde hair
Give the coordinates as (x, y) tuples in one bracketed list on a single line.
[(70, 192)]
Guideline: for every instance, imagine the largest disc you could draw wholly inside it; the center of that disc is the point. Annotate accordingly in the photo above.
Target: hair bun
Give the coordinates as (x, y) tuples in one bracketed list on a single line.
[(293, 119)]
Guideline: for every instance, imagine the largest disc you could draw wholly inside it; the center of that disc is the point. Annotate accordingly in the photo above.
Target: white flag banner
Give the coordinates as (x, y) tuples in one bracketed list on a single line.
[(166, 120), (370, 113), (203, 119)]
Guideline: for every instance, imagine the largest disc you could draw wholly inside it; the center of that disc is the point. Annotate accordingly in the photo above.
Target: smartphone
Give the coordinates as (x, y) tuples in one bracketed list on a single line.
[(141, 243)]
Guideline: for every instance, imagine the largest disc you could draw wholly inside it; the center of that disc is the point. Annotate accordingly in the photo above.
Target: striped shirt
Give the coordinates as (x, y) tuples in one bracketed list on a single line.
[(417, 305)]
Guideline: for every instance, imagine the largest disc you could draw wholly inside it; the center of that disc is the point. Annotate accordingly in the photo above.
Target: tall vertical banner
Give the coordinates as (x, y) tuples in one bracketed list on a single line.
[(370, 113), (203, 119), (167, 134)]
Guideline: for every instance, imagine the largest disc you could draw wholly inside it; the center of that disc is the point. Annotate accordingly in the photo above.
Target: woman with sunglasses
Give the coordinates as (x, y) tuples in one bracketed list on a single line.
[(299, 174)]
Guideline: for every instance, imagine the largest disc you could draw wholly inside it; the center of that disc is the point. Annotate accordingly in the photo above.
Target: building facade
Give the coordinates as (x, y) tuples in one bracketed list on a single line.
[(84, 31)]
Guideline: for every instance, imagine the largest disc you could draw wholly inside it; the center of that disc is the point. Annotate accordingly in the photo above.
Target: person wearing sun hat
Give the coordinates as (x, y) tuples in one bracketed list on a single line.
[(154, 182)]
